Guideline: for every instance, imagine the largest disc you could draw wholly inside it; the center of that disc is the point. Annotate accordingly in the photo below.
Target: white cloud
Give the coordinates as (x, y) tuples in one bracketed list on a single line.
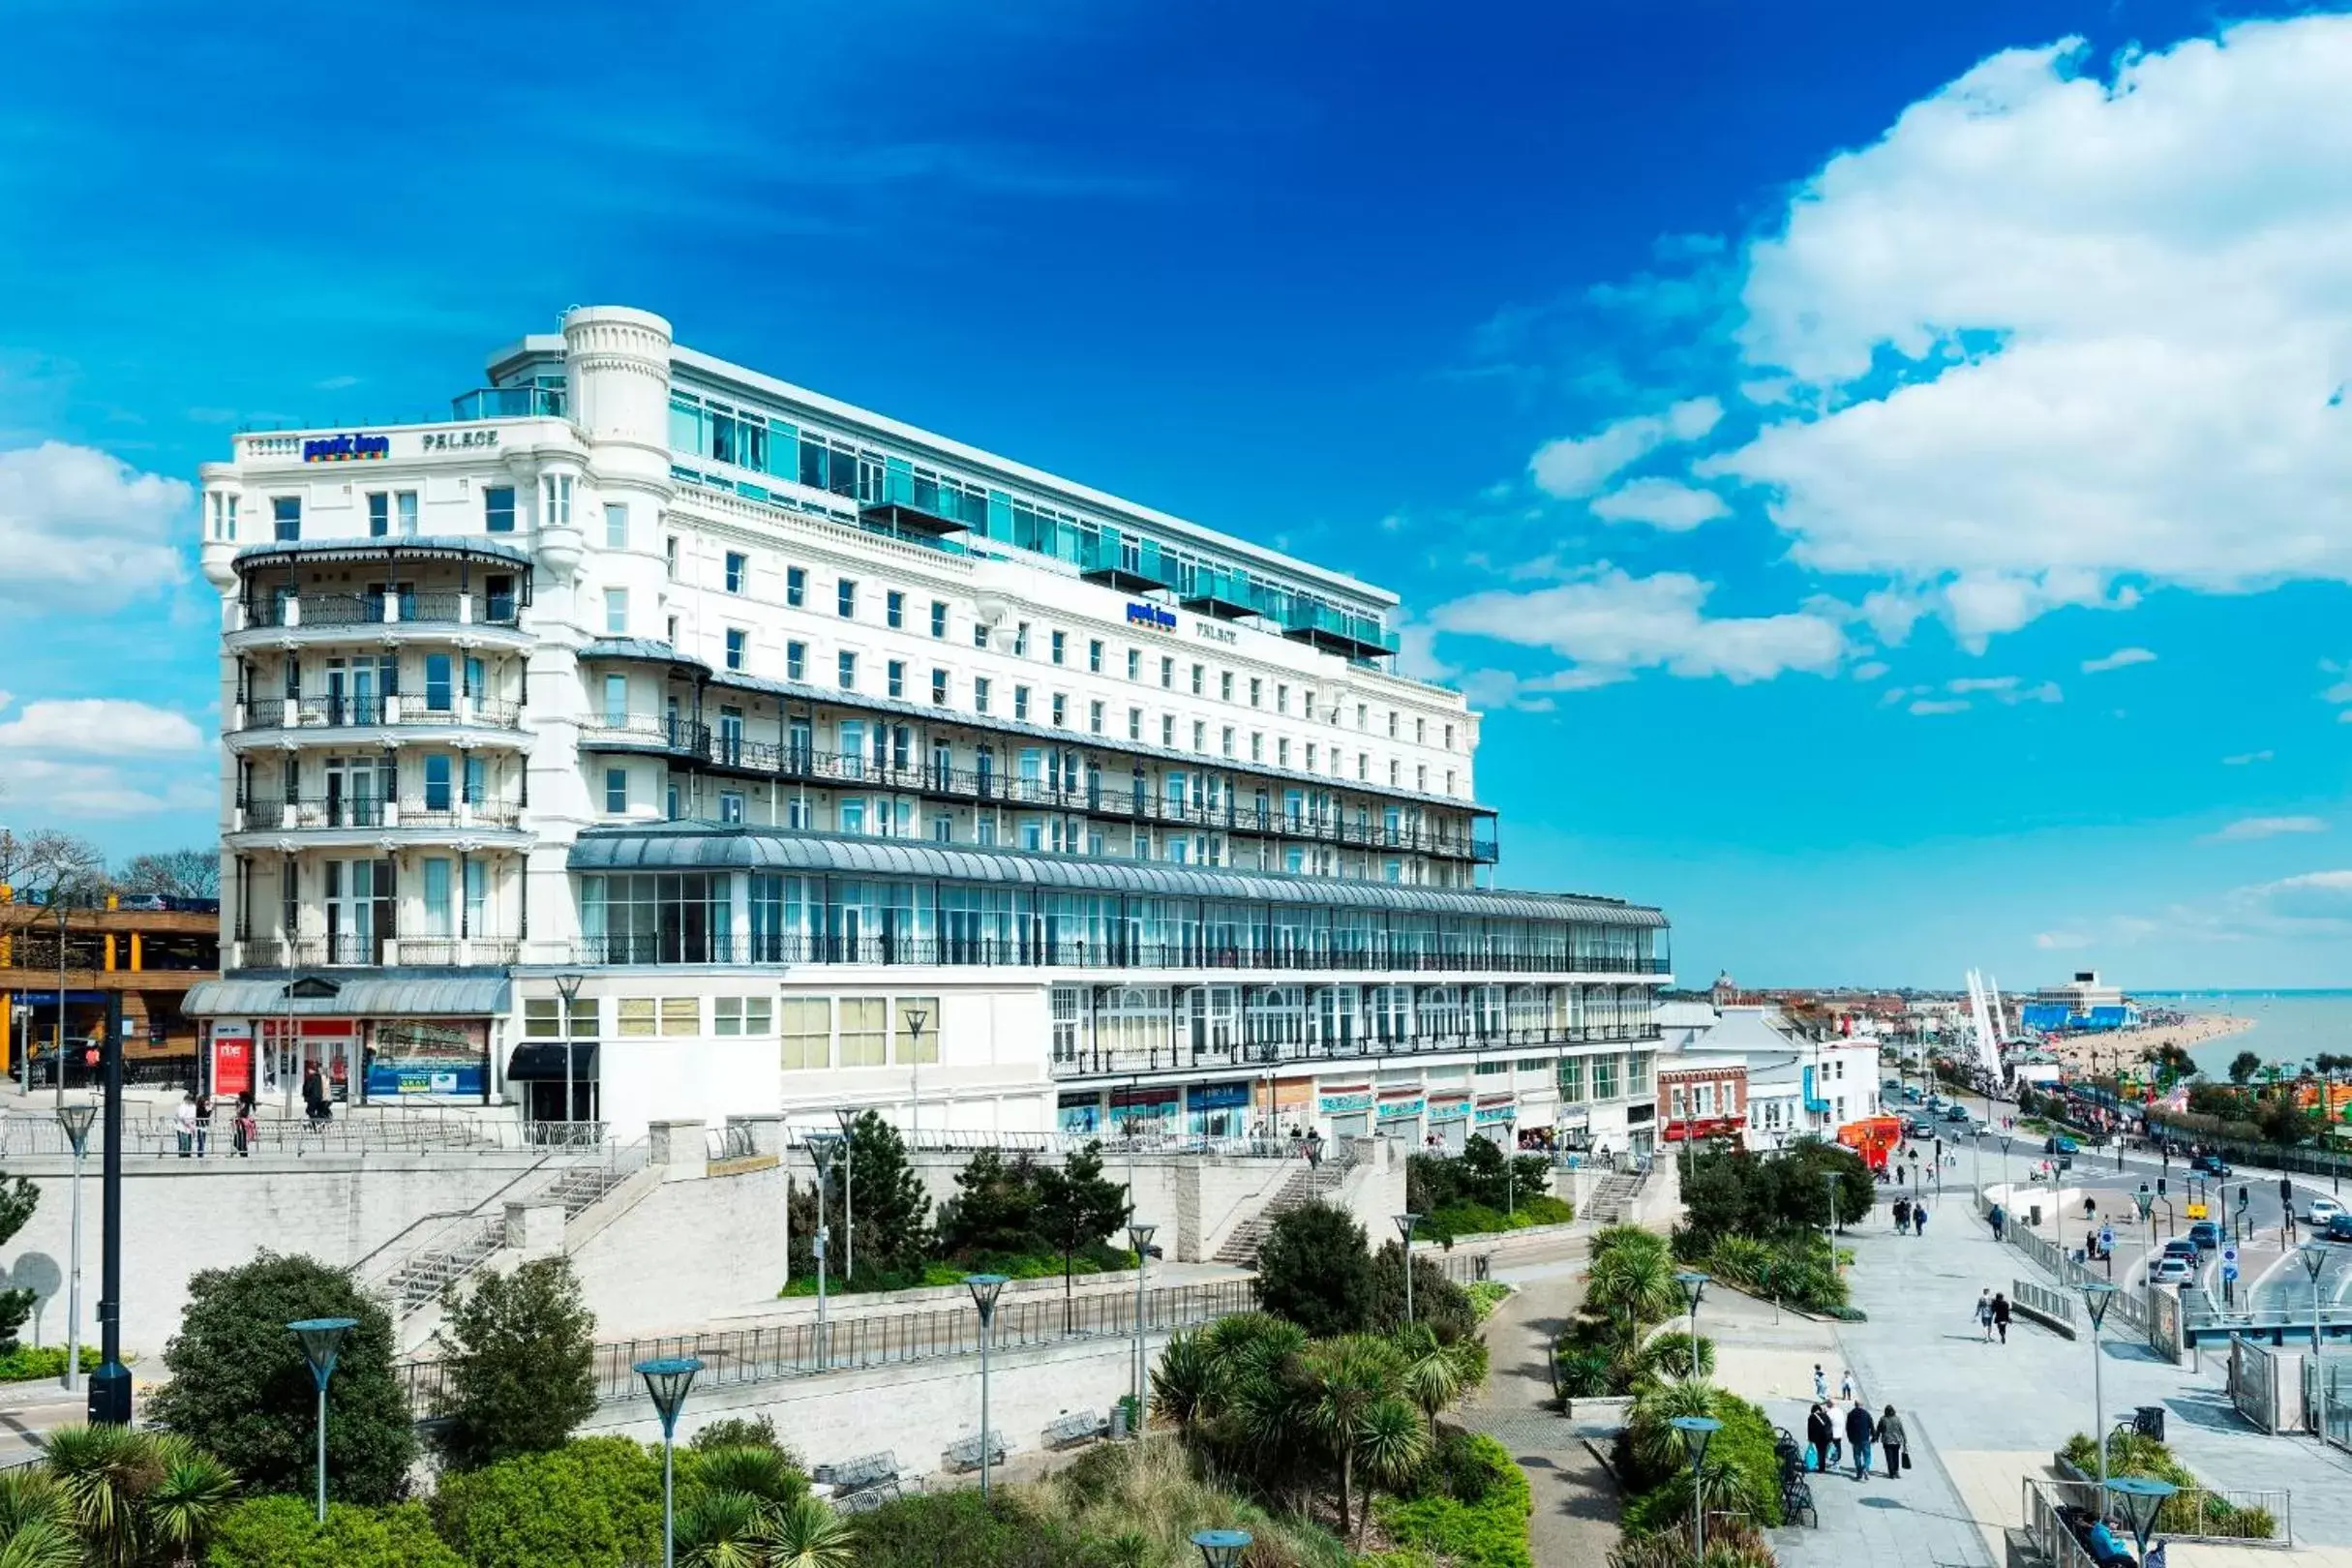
[(1583, 465), (1662, 503), (82, 531), (2246, 829), (1983, 683), (1869, 671), (1930, 706), (2058, 940), (2051, 340), (2315, 903), (2117, 661), (1610, 624), (99, 727), (104, 757), (2243, 758)]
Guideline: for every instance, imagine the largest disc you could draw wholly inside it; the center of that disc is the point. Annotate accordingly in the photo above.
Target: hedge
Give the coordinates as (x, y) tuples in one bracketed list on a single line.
[(1478, 1520), (594, 1504), (26, 1363), (2136, 1454), (283, 1533)]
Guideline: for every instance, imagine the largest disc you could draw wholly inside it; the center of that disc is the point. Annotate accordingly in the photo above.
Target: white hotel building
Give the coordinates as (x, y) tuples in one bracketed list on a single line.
[(827, 761)]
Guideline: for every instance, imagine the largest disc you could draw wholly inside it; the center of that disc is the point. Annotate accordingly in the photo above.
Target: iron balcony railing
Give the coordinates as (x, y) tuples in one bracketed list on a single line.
[(684, 945), (367, 951), (436, 710), (725, 748), (341, 811), (435, 608), (1099, 1061)]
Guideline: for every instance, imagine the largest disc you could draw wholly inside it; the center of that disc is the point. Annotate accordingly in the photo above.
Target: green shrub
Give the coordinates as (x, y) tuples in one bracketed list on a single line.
[(1480, 1520), (594, 1504), (956, 1530), (1315, 1268), (283, 1533), (1485, 1296), (26, 1363), (518, 1350), (2135, 1454)]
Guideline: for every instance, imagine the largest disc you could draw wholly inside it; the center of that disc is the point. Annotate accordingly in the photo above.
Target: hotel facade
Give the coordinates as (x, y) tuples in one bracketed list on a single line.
[(656, 728)]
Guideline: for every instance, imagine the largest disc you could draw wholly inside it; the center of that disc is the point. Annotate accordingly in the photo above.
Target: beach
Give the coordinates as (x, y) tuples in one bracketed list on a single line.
[(2192, 1031)]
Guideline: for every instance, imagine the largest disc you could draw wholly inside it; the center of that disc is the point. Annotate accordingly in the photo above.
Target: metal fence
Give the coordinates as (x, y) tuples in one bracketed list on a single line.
[(2325, 1387), (24, 1135), (2043, 1300), (2191, 1514), (805, 1349)]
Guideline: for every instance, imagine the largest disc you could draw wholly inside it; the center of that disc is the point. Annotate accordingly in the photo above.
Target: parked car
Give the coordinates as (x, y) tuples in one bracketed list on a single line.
[(2170, 1269), (1956, 1113), (2323, 1210), (2206, 1234), (2213, 1166), (2339, 1228), (1918, 1126), (2060, 1146), (1911, 1093)]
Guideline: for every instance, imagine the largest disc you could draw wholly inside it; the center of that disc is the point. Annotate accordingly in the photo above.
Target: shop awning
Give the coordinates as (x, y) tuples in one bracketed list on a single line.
[(429, 994), (541, 1060)]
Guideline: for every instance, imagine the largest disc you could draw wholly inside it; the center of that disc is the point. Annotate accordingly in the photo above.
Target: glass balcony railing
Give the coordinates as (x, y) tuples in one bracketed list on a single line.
[(1123, 561), (919, 503), (1327, 626), (508, 403)]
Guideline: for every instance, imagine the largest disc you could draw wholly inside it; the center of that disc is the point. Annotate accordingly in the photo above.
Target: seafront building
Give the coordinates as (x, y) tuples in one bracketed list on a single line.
[(711, 746)]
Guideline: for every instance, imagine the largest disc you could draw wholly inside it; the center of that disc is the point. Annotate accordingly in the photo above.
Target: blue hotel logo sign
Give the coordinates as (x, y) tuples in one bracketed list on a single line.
[(1151, 616), (352, 448)]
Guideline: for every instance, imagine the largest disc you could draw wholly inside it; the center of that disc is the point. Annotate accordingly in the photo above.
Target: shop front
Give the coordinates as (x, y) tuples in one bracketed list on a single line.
[(1347, 1108), (1493, 1118), (1217, 1110), (1399, 1114), (1079, 1115), (1146, 1110), (1293, 1109), (347, 1041), (1450, 1120)]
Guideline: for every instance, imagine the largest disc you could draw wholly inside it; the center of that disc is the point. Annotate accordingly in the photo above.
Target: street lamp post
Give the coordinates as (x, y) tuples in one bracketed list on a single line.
[(2098, 1296), (1404, 1228), (76, 1119), (568, 985), (2141, 1497), (984, 1289), (667, 1381), (1221, 1549), (915, 1018), (321, 1341), (1139, 1237), (821, 1151), (110, 1403), (2315, 1263), (1693, 1285), (848, 1173), (1697, 1432)]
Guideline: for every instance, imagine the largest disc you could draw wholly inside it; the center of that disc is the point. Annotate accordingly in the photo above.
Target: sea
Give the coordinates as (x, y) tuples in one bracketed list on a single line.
[(2290, 1027)]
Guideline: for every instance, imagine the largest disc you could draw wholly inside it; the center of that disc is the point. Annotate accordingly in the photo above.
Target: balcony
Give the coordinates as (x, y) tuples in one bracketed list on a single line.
[(425, 815), (346, 951), (1222, 592), (507, 403), (1337, 631), (652, 731), (377, 612), (914, 505), (332, 718), (1258, 1055), (1126, 562)]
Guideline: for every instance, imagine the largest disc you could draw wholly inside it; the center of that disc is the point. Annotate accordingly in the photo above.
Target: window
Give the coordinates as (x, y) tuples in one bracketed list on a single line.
[(615, 525), (616, 700), (1167, 730), (1061, 711), (1421, 732), (615, 791), (1604, 1077), (1094, 717), (739, 571), (979, 694), (436, 782), (1200, 736), (1282, 752), (1448, 737), (915, 1031), (1572, 1080), (939, 688), (1094, 655), (1167, 673), (681, 1014), (1362, 720), (894, 609), (1258, 745), (979, 634), (440, 695), (807, 1028), (846, 671), (379, 514), (1134, 724), (1363, 767), (731, 806), (1229, 739), (863, 1022), (897, 673), (1421, 777), (939, 617), (556, 501), (845, 599), (439, 922), (737, 640), (1224, 686), (1059, 646), (669, 557), (285, 516), (1020, 640), (742, 1014), (1020, 702), (796, 586), (1674, 1103), (1393, 766), (1199, 673), (1134, 664), (1282, 697), (1257, 689), (796, 661), (615, 612), (1637, 1067), (635, 1016), (543, 1018)]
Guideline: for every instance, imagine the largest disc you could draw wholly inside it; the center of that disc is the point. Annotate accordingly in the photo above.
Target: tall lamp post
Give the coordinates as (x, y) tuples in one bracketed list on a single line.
[(915, 1018), (110, 1385), (2145, 1201), (2141, 1497), (1139, 1237), (667, 1381), (2315, 1263), (985, 1288), (568, 986), (76, 1119), (321, 1342), (1404, 1228), (821, 1151), (849, 1172), (1697, 1432), (1693, 1285), (1221, 1549), (2098, 1296)]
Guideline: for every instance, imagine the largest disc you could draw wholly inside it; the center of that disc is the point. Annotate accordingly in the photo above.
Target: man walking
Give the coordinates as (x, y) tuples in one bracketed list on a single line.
[(1984, 1315), (1860, 1429), (2001, 1316), (1902, 1214), (1918, 1219)]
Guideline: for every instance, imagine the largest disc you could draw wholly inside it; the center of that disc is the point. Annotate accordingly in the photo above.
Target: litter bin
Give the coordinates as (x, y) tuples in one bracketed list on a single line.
[(2034, 1216)]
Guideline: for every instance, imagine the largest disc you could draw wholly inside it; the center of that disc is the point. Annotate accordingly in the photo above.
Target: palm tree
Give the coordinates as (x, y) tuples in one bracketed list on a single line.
[(1391, 1444), (104, 1473), (1656, 1445), (1632, 1286), (186, 1506), (34, 1531), (1434, 1374), (1344, 1378), (1184, 1382), (720, 1529), (804, 1533)]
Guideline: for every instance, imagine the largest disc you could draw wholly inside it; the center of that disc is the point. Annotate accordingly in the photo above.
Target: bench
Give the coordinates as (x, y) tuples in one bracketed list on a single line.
[(867, 1499), (1079, 1427), (964, 1454), (858, 1475)]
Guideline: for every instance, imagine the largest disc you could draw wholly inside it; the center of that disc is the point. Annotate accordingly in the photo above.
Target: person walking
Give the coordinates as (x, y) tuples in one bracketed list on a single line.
[(203, 1124), (313, 1093), (1918, 1219), (1820, 1435), (186, 1119), (1902, 1214), (1984, 1315), (1845, 1386), (248, 1126), (1999, 1219), (1860, 1429), (1893, 1442), (2001, 1316), (1820, 1385)]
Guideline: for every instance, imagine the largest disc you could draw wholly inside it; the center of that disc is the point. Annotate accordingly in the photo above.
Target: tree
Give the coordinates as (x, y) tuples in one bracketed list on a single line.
[(994, 1212), (136, 1496), (182, 873), (893, 1207), (2243, 1067), (519, 1354), (1437, 1301), (1313, 1268), (1346, 1380), (241, 1388), (1077, 1210), (18, 1199)]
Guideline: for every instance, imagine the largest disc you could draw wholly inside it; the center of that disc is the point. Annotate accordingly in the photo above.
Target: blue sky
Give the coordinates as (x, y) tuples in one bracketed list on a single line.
[(1881, 469)]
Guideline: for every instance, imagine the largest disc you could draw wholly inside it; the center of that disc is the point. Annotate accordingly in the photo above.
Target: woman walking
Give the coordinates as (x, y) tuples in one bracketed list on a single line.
[(1820, 1435), (2001, 1316), (1894, 1440)]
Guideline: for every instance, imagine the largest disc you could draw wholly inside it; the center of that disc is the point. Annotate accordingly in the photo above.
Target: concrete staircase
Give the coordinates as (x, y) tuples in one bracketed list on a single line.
[(418, 1278), (1304, 1185), (1614, 1197)]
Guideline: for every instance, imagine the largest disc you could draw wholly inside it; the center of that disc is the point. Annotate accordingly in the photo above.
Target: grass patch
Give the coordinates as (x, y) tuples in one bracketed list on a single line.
[(1029, 1266), (1485, 1296), (1456, 1219)]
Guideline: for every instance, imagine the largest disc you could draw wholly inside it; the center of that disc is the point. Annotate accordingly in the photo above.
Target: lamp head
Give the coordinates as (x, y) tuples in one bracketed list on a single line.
[(667, 1381), (821, 1147), (1139, 1235), (1221, 1549), (2140, 1497), (2098, 1296), (569, 984), (321, 1342), (848, 1119), (1693, 1285), (76, 1119), (1697, 1432), (1404, 1226), (2315, 1259), (984, 1289)]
